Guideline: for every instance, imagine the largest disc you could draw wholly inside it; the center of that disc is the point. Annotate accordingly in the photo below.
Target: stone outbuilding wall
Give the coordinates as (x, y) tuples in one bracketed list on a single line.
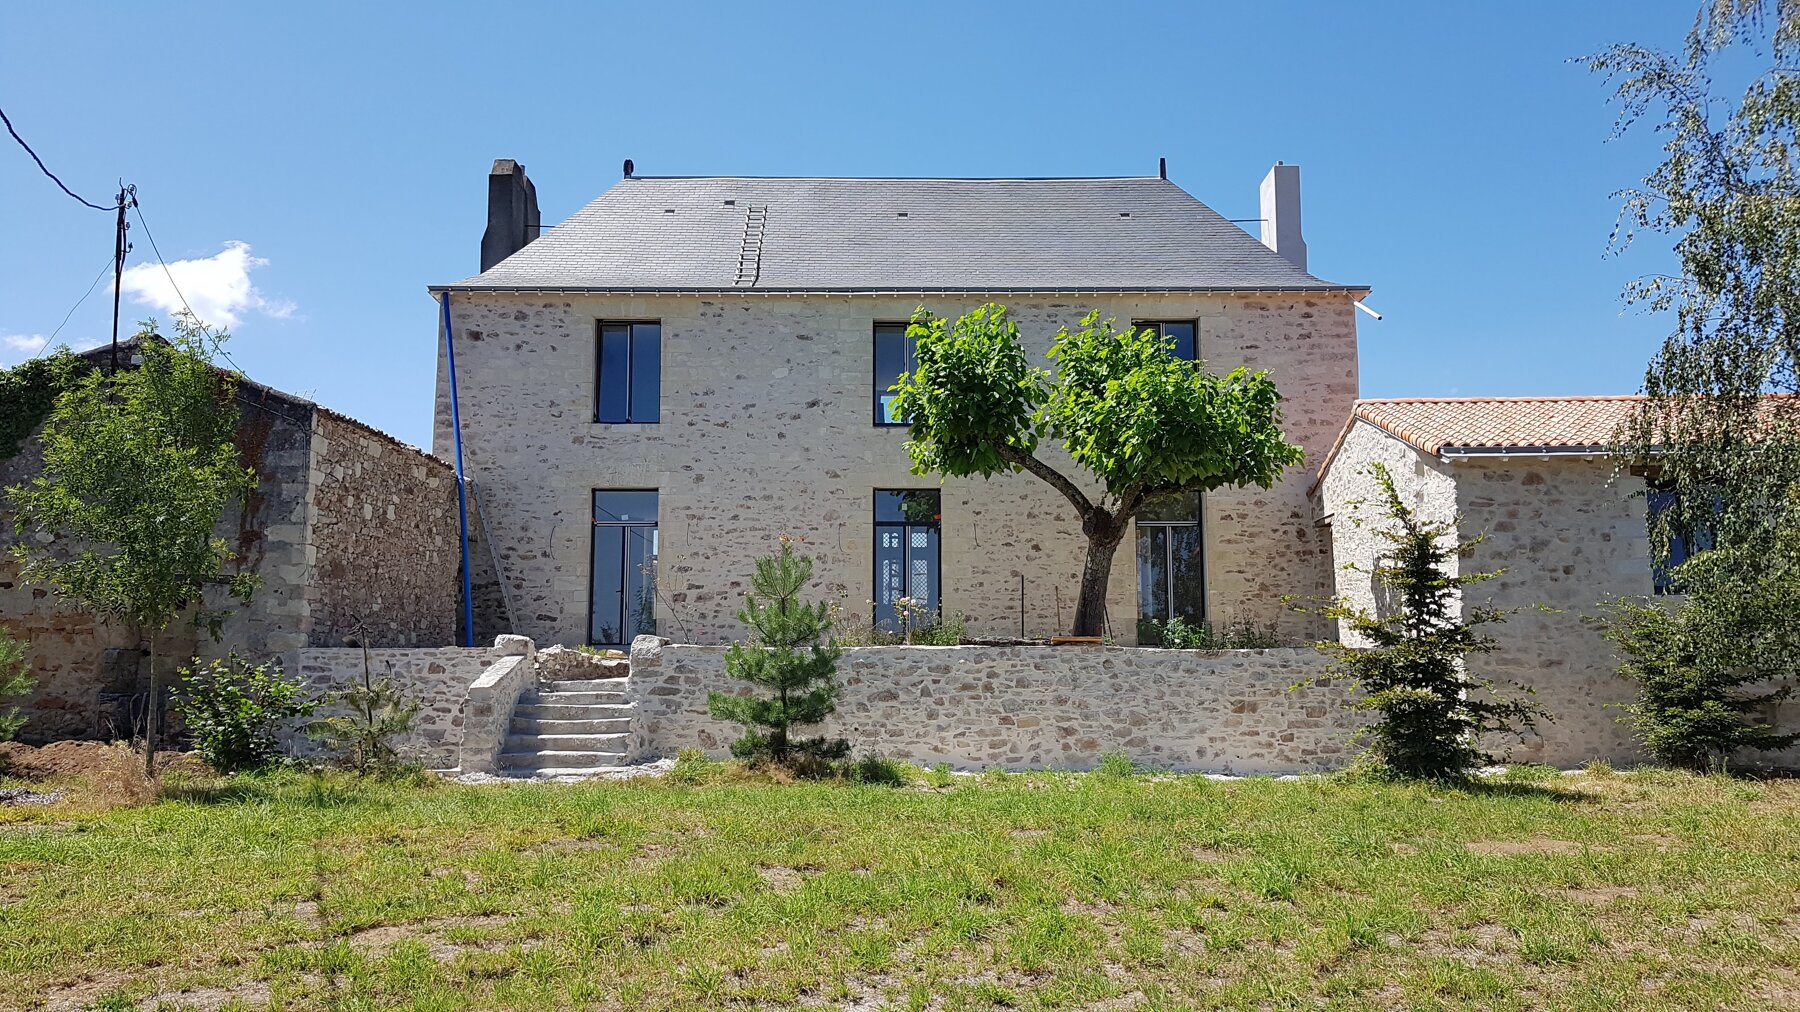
[(352, 533), (439, 677), (1566, 531), (766, 428), (1034, 707)]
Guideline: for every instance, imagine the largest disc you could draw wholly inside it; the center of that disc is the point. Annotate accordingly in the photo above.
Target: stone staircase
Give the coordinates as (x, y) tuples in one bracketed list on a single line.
[(570, 727)]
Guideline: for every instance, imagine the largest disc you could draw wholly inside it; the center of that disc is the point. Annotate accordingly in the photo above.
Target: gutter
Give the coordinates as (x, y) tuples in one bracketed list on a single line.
[(1359, 290)]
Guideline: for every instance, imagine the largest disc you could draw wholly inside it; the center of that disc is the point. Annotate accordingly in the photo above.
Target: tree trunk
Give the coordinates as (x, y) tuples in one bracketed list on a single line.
[(1090, 605), (150, 717)]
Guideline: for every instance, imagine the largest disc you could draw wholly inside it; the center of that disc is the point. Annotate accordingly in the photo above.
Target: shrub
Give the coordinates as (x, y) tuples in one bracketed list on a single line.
[(1692, 710), (1240, 633), (233, 709), (377, 713), (789, 655), (879, 770), (15, 681), (1414, 674)]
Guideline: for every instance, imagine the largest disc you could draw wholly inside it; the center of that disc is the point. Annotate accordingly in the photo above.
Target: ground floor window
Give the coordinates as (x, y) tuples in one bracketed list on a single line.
[(623, 587), (1171, 566), (907, 563)]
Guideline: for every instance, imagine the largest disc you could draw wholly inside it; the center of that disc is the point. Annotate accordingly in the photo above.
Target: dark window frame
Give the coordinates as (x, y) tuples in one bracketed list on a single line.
[(1662, 577), (630, 371), (1199, 523), (905, 526), (880, 389), (595, 524), (1159, 324)]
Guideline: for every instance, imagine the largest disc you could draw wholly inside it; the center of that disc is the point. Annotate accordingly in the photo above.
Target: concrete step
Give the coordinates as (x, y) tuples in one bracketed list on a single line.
[(593, 698), (522, 744), (561, 759), (598, 724), (559, 711), (535, 773), (585, 685)]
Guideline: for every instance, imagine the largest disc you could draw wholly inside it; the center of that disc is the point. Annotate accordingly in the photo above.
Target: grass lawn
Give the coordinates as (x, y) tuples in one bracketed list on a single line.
[(1052, 891)]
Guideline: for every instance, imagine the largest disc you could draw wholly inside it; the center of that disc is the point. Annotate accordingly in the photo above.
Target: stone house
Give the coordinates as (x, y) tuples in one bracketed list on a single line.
[(353, 533), (655, 389), (1567, 527)]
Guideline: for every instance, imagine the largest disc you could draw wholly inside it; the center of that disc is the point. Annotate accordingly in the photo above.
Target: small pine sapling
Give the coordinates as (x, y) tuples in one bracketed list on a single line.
[(376, 712), (1431, 711), (789, 654)]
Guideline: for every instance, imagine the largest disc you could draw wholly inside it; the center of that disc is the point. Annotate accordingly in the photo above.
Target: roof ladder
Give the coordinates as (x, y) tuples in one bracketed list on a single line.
[(756, 221)]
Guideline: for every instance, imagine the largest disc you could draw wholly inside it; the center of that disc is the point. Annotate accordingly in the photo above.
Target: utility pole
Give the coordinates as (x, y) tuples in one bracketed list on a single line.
[(120, 248)]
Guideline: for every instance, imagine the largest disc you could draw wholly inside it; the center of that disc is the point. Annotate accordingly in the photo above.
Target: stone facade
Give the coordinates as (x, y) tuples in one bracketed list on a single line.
[(1034, 707), (766, 427), (352, 534), (1566, 531), (439, 677)]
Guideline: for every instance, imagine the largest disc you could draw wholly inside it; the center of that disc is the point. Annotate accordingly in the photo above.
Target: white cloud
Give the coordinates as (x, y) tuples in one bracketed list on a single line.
[(217, 287), (24, 344)]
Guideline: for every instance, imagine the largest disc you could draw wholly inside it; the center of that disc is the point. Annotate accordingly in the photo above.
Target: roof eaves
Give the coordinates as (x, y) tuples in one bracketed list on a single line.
[(1319, 289)]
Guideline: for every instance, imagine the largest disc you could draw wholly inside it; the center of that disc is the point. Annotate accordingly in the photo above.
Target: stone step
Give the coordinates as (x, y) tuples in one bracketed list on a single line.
[(562, 760), (535, 773), (585, 685), (597, 724), (612, 698), (561, 711), (522, 744)]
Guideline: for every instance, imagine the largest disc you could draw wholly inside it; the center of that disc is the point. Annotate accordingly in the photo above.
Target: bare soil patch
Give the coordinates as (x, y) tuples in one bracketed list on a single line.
[(780, 879), (83, 759), (1522, 848), (1600, 896)]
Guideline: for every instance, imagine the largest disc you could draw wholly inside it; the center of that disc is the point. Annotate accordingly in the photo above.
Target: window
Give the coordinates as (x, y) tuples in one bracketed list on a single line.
[(629, 373), (906, 552), (623, 588), (893, 359), (1662, 496), (1182, 332), (1170, 560)]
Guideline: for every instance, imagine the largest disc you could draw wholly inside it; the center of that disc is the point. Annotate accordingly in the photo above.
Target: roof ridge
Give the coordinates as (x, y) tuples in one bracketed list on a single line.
[(919, 179), (1496, 399)]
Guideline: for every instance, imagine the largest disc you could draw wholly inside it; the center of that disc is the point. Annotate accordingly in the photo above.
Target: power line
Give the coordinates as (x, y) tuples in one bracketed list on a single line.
[(50, 342), (45, 168), (218, 345)]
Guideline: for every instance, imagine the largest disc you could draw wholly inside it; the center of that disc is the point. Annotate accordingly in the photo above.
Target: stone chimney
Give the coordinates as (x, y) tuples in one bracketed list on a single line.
[(1281, 214), (512, 212)]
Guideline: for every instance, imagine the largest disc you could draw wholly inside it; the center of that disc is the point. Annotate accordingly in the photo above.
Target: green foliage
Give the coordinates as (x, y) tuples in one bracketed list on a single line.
[(1134, 417), (789, 655), (1177, 633), (939, 776), (138, 467), (1727, 192), (27, 393), (233, 710), (15, 681), (1431, 710), (879, 771), (1116, 765), (693, 766), (375, 713)]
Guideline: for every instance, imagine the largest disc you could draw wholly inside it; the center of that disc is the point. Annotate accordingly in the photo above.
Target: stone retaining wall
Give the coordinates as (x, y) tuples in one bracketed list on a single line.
[(1034, 707), (439, 676)]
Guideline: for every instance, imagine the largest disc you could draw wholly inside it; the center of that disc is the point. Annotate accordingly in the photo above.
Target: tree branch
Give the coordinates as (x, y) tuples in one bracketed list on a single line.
[(1050, 474)]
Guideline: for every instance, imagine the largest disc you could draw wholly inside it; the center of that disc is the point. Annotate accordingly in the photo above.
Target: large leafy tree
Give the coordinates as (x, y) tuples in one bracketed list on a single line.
[(1727, 192), (1139, 421), (139, 465)]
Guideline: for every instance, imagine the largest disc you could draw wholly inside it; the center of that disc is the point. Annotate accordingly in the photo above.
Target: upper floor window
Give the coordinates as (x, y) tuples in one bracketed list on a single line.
[(1183, 332), (1662, 497), (629, 373), (893, 358)]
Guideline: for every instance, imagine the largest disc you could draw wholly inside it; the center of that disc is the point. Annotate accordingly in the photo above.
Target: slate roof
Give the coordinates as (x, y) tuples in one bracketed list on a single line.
[(688, 234), (1465, 426)]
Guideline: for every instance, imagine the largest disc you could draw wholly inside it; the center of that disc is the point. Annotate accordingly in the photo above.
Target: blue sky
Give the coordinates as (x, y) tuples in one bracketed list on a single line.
[(328, 161)]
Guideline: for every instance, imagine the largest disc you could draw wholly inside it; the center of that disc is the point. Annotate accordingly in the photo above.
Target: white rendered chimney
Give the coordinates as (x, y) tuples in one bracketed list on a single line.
[(1281, 214)]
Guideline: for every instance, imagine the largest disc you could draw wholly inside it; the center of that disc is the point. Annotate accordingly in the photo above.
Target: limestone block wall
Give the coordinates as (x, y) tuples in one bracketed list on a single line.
[(385, 536), (438, 676), (766, 428), (1034, 707)]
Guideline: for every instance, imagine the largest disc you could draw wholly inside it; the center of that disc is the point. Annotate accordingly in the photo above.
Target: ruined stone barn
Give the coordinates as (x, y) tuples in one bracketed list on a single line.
[(655, 389), (353, 533)]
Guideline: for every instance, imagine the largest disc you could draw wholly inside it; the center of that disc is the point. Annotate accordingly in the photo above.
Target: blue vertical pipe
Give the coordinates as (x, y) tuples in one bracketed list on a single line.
[(462, 494)]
